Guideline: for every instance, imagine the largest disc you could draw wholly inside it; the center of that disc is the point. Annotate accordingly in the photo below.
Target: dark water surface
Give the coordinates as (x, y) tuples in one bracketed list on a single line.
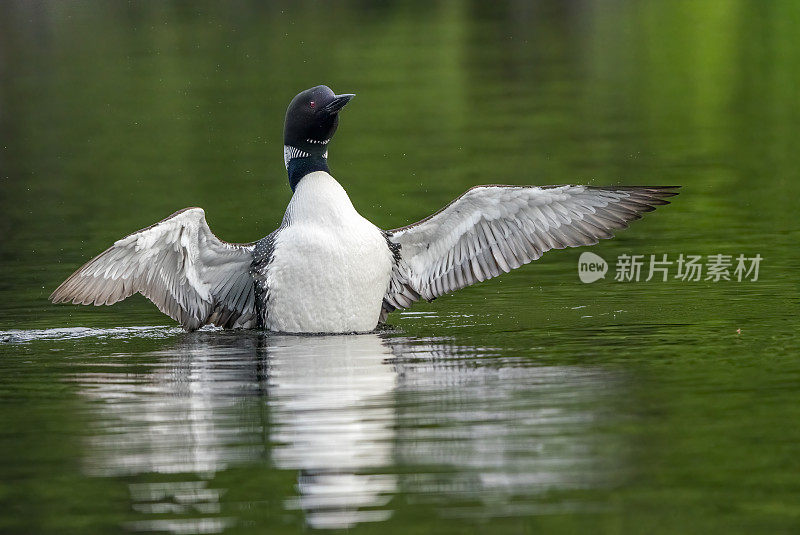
[(532, 403)]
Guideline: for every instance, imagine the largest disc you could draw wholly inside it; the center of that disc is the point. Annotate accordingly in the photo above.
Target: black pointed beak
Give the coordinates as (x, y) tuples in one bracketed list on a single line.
[(337, 103)]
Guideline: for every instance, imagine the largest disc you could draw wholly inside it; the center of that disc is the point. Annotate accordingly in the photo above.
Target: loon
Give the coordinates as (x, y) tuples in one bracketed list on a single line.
[(327, 269)]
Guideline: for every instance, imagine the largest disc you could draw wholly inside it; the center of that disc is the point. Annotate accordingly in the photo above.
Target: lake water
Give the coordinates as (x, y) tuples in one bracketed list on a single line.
[(533, 403)]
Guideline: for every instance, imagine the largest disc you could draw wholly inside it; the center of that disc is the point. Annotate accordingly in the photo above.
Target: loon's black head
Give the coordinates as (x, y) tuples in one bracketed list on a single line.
[(311, 120)]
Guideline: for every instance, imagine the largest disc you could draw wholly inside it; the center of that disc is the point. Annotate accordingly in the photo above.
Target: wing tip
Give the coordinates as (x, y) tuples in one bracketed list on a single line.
[(61, 294), (653, 192)]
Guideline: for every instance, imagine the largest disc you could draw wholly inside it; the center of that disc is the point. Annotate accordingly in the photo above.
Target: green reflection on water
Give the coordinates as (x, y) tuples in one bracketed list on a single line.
[(112, 116)]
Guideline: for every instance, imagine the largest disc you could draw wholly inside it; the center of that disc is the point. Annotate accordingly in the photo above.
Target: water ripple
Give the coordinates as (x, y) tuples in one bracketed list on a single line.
[(23, 336)]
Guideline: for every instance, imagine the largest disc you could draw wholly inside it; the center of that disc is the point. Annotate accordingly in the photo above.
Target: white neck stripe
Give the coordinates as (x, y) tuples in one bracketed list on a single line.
[(289, 153)]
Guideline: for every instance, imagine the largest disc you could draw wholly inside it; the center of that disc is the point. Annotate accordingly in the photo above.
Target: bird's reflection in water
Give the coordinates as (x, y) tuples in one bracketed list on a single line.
[(361, 419), (333, 418)]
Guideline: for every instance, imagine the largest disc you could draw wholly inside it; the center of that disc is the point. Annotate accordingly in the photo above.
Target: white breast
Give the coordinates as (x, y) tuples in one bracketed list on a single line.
[(330, 268)]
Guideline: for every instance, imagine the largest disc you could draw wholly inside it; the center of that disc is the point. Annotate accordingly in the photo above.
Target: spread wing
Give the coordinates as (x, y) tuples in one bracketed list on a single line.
[(490, 230), (191, 275)]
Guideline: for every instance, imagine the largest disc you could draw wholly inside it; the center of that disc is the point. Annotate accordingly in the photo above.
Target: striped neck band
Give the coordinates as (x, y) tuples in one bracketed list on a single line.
[(290, 153)]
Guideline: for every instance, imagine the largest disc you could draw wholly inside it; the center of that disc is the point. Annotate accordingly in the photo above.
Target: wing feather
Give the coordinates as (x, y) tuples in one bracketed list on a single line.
[(188, 273), (490, 230)]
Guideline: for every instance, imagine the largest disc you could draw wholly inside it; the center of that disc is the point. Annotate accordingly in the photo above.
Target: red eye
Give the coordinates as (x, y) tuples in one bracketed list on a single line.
[(312, 104)]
